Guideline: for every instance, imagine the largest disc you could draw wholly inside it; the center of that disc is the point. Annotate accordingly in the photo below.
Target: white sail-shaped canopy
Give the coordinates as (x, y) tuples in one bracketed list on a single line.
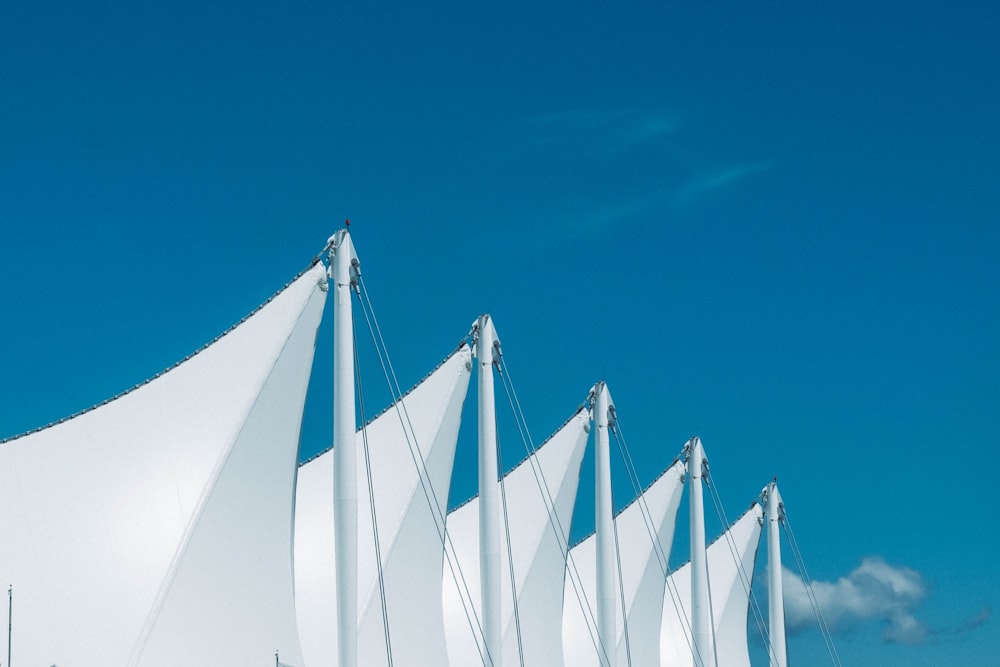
[(538, 520), (410, 543), (730, 564), (155, 529), (641, 566)]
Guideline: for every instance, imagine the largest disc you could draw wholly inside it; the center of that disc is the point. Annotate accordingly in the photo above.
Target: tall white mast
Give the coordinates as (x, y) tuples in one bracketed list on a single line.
[(487, 351), (774, 511), (344, 270), (604, 520), (701, 610)]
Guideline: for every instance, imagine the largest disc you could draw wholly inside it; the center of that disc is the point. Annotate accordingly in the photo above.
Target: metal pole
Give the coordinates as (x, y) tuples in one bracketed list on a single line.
[(344, 270), (10, 618), (604, 518), (775, 607), (701, 610), (489, 503)]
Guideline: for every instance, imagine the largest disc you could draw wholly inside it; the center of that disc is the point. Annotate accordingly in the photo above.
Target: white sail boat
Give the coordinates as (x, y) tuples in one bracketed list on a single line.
[(173, 523)]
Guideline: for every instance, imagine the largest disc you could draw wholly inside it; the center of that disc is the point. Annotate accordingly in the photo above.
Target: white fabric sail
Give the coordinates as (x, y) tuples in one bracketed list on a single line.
[(410, 543), (155, 529), (538, 551), (641, 565), (730, 564)]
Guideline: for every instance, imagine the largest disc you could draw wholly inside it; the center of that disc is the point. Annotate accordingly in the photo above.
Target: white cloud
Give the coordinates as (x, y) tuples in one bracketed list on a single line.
[(974, 621), (648, 177), (715, 180), (874, 591)]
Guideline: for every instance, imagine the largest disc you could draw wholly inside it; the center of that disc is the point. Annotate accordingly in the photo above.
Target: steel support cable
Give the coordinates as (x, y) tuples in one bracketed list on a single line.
[(430, 495), (814, 601), (561, 534), (810, 593), (746, 580), (451, 556), (510, 554), (621, 592), (542, 484), (371, 502), (711, 615), (669, 585), (647, 522), (647, 516), (699, 659)]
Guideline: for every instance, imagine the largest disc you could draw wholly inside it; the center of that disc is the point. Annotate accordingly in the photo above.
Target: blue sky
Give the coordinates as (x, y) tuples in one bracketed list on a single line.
[(773, 226)]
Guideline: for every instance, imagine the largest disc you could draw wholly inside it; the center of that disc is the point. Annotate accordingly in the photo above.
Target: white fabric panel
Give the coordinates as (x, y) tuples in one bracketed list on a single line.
[(233, 586), (410, 545), (729, 591), (538, 554), (111, 520), (642, 568)]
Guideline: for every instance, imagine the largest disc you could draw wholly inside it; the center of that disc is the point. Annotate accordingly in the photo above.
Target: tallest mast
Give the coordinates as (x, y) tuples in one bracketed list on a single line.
[(774, 511), (703, 644), (487, 351), (607, 564), (345, 270)]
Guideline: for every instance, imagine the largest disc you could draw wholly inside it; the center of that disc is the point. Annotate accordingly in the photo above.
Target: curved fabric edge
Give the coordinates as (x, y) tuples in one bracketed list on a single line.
[(17, 436)]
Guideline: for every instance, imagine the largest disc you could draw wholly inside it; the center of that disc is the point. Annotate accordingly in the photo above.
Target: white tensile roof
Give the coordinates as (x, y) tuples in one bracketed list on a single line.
[(157, 528)]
